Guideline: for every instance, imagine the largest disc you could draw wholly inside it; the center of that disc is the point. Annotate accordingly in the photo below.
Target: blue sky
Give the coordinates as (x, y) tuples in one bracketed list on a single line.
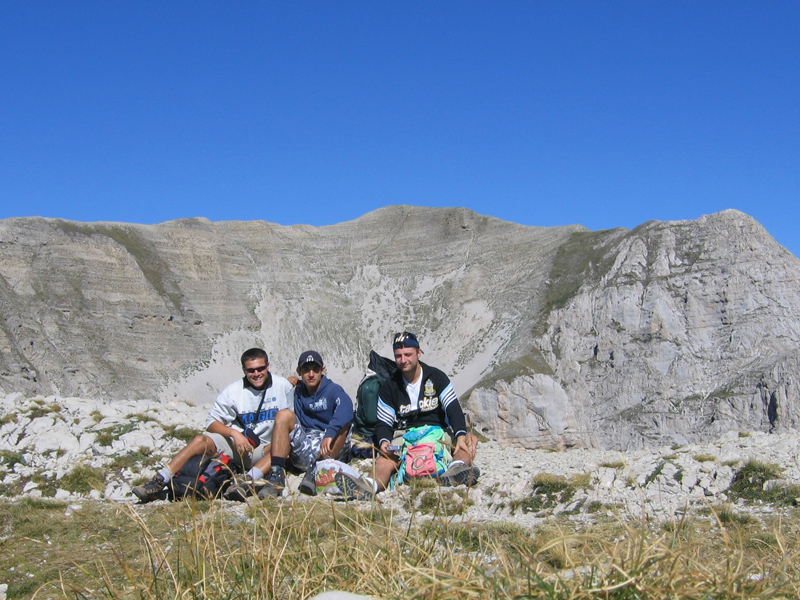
[(604, 114)]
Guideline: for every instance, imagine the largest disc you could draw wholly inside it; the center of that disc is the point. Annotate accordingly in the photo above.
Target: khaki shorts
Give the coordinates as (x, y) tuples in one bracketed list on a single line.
[(226, 446)]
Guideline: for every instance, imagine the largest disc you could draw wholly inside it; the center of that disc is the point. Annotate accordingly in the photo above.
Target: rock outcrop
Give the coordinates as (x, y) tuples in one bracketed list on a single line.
[(673, 332)]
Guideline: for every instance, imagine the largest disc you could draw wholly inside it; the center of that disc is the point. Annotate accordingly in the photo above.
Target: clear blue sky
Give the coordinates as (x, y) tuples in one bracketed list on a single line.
[(549, 113)]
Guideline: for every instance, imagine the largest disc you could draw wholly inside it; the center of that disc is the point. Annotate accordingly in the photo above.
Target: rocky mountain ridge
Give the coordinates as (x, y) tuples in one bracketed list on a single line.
[(672, 332)]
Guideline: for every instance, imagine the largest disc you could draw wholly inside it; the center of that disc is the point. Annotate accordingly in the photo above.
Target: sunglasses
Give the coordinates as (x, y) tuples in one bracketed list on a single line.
[(257, 369)]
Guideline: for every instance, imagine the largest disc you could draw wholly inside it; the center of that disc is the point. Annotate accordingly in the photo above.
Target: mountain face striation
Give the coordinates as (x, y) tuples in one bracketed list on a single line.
[(673, 332)]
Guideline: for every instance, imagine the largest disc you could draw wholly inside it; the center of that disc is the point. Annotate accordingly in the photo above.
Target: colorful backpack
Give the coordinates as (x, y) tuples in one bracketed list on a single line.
[(424, 454)]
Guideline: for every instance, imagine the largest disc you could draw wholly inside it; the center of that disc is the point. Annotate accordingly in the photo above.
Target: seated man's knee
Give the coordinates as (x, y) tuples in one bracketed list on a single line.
[(202, 444), (285, 417)]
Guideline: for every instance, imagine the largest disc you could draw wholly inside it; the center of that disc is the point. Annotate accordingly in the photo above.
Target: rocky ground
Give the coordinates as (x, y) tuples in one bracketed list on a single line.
[(78, 449)]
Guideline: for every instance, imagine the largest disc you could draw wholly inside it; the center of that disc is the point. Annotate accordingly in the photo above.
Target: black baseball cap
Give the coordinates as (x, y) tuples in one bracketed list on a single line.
[(310, 356)]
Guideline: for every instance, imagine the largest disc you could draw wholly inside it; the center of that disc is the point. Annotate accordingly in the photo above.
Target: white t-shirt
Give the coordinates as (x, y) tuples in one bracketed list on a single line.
[(239, 399)]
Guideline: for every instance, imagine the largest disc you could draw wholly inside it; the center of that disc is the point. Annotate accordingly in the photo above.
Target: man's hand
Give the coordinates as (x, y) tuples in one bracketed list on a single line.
[(389, 453), (243, 445), (464, 444), (326, 447)]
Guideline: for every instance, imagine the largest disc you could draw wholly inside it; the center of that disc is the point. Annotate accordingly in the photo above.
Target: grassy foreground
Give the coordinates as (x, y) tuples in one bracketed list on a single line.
[(296, 550)]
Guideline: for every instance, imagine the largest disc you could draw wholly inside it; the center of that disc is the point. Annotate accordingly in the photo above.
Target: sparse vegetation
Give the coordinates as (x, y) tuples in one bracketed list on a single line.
[(615, 464), (750, 483), (728, 515), (548, 491), (141, 417), (8, 418), (185, 434), (134, 458), (10, 458), (704, 458), (40, 409), (105, 437), (655, 473), (441, 501), (296, 550), (83, 479)]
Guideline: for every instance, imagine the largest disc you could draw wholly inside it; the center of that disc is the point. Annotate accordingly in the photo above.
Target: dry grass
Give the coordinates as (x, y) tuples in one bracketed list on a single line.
[(285, 550)]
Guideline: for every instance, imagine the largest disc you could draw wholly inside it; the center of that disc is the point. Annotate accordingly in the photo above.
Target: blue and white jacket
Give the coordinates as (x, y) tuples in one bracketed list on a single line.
[(330, 409)]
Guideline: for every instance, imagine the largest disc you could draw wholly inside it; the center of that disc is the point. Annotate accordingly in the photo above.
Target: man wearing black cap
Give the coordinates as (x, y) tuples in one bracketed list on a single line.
[(417, 395), (318, 428)]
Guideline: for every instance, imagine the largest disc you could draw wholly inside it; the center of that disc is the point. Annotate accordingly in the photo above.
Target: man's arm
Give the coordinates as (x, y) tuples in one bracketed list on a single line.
[(342, 414), (222, 414), (384, 429), (342, 418), (452, 408), (457, 421)]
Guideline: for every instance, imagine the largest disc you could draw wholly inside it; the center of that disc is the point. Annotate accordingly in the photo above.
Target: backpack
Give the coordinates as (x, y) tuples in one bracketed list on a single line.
[(202, 477), (379, 370), (424, 454), (420, 460), (325, 472)]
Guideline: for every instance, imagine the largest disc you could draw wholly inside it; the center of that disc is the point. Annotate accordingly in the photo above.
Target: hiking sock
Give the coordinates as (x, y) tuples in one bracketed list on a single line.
[(165, 473), (373, 483), (455, 463), (279, 461), (255, 474)]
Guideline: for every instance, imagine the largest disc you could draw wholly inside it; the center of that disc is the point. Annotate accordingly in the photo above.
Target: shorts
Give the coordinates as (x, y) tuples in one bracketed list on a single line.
[(226, 446), (305, 445)]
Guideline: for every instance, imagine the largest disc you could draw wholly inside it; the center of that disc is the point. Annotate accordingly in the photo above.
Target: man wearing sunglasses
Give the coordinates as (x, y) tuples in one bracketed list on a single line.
[(239, 425), (318, 428), (417, 395)]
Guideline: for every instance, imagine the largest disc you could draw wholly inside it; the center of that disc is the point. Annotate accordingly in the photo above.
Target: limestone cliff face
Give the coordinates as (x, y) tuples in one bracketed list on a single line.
[(670, 332), (620, 338)]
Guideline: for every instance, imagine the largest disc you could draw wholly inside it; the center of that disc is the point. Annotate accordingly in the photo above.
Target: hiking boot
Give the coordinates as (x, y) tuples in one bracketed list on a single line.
[(460, 474), (276, 482), (152, 490), (309, 484), (354, 488), (240, 489)]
